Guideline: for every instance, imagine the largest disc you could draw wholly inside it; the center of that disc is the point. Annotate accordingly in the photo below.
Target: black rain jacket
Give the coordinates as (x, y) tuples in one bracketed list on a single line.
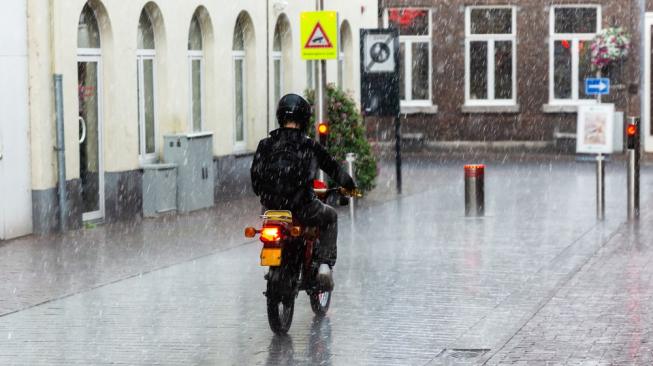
[(309, 149)]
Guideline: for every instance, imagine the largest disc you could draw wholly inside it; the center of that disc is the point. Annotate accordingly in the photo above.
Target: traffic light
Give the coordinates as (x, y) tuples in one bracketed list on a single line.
[(632, 133), (323, 131)]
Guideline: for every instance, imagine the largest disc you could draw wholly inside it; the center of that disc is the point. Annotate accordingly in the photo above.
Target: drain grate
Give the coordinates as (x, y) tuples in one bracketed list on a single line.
[(467, 354)]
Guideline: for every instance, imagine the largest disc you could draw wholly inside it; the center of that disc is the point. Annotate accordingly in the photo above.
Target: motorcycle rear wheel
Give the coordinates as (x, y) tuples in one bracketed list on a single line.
[(280, 302), (280, 314), (320, 302)]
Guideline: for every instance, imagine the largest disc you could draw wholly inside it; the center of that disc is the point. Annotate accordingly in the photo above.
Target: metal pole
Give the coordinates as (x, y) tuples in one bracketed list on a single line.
[(320, 94), (61, 150), (351, 158), (474, 190), (633, 172), (398, 152), (642, 56), (600, 186)]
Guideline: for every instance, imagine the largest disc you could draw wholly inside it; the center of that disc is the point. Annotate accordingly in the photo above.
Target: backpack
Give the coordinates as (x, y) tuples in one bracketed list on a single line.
[(286, 170)]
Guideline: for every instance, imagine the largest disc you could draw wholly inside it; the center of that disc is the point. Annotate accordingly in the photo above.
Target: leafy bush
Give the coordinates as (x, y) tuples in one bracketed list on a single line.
[(347, 134)]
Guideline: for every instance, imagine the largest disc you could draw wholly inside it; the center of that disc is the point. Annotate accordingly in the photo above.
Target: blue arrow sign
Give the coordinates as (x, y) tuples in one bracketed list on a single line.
[(597, 86)]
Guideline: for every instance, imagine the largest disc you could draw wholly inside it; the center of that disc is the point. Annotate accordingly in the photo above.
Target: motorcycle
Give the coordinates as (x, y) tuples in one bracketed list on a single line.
[(288, 252)]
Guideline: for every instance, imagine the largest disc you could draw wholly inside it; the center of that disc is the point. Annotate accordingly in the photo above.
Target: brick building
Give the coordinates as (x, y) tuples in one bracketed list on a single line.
[(512, 71)]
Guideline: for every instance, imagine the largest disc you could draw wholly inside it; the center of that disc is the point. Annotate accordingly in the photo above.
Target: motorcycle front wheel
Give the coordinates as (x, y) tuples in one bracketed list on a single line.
[(320, 302)]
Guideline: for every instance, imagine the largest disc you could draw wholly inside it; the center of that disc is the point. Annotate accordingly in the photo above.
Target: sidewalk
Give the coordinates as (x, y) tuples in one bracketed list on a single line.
[(37, 269), (602, 316)]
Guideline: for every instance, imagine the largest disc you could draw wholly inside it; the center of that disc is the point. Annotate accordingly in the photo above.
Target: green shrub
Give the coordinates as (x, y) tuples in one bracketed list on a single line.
[(347, 134)]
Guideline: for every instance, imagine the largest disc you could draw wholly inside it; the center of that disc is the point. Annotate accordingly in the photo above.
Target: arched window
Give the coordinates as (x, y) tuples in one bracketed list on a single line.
[(281, 60), (241, 43), (277, 60), (145, 65), (345, 55), (88, 32), (196, 72)]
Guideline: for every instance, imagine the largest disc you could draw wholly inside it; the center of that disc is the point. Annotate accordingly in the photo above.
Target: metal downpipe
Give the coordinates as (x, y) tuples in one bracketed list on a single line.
[(61, 150)]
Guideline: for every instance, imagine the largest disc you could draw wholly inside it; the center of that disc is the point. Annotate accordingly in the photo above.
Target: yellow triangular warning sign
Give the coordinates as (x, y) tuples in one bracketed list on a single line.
[(318, 38)]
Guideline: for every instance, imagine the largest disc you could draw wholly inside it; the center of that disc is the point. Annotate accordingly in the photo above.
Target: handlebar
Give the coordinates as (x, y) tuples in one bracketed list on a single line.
[(355, 193)]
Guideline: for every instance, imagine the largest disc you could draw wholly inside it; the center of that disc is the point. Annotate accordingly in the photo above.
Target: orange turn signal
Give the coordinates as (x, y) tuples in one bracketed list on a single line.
[(250, 232), (296, 231)]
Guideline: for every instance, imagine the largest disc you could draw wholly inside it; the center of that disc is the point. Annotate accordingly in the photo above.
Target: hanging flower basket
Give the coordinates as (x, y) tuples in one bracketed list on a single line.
[(610, 46)]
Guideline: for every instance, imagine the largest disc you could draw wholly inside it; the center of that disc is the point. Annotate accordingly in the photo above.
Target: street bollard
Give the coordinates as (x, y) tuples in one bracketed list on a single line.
[(633, 148), (474, 190), (351, 159), (600, 187)]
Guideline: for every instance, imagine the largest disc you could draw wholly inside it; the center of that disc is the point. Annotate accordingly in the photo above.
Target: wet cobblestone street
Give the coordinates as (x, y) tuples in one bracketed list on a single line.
[(538, 280)]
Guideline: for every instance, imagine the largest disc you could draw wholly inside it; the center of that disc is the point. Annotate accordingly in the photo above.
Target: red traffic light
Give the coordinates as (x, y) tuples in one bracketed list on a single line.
[(631, 130)]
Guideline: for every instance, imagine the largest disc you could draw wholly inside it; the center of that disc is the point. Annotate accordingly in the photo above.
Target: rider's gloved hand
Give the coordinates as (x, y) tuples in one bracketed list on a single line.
[(352, 192), (349, 185)]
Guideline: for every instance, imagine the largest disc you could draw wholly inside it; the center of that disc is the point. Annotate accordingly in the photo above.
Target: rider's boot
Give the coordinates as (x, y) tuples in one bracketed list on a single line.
[(325, 277)]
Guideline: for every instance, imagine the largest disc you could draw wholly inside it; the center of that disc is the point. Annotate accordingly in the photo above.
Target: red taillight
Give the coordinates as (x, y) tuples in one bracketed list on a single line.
[(318, 184), (270, 234)]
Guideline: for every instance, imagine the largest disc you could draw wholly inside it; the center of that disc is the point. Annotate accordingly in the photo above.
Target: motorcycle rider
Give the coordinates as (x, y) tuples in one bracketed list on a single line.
[(282, 173)]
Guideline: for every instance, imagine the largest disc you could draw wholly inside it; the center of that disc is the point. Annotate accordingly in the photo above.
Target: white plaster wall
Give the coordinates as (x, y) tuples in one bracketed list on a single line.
[(57, 21), (15, 185)]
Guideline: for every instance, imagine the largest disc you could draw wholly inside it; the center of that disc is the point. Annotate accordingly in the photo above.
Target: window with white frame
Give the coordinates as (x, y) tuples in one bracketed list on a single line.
[(239, 64), (277, 66), (341, 69), (345, 57), (572, 27), (490, 55), (145, 68), (196, 73), (414, 27)]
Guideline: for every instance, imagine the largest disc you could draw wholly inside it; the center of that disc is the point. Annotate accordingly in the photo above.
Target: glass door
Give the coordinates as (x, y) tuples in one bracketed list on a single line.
[(90, 138), (647, 126)]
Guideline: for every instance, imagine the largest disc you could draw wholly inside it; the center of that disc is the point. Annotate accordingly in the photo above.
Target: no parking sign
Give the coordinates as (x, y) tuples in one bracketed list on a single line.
[(380, 72)]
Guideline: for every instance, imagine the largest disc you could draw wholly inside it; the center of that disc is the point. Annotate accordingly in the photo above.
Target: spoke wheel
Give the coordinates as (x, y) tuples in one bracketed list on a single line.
[(320, 302), (280, 315)]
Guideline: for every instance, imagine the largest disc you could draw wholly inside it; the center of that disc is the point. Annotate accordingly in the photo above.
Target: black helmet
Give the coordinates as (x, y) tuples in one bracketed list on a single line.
[(295, 108)]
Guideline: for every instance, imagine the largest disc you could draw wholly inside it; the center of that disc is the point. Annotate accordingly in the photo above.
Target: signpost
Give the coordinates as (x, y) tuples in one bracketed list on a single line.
[(380, 80), (595, 129), (319, 41)]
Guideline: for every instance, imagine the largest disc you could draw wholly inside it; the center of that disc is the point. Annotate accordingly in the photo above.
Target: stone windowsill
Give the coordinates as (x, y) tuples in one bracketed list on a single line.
[(243, 153), (417, 109), (559, 108), (490, 108)]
